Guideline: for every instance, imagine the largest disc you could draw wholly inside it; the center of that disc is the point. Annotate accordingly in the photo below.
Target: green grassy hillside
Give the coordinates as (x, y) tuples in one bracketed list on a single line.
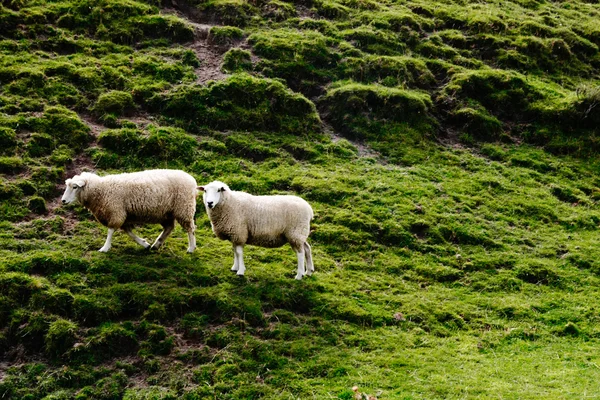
[(448, 148)]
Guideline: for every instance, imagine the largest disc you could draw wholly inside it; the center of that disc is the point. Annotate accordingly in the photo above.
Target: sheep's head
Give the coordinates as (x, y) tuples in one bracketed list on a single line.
[(73, 188), (213, 193)]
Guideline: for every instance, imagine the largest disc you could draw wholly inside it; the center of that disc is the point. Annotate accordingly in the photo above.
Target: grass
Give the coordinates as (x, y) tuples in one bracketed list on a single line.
[(421, 281), (449, 152)]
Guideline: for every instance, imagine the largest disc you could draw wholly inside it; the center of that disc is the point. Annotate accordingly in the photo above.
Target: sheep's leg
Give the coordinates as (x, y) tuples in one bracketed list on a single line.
[(300, 254), (167, 229), (189, 227), (239, 253), (137, 239), (236, 264), (191, 241), (107, 244), (310, 267), (191, 237)]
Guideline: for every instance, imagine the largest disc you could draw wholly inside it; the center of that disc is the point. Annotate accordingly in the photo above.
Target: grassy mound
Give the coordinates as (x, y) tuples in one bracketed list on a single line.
[(240, 102)]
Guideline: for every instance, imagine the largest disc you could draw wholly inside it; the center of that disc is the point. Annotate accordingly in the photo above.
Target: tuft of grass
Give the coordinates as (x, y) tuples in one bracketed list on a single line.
[(500, 92), (352, 105), (237, 60), (60, 338), (237, 13), (113, 102), (224, 35)]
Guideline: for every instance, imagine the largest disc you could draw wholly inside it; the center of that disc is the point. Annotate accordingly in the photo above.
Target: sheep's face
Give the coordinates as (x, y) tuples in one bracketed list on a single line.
[(73, 188), (213, 193)]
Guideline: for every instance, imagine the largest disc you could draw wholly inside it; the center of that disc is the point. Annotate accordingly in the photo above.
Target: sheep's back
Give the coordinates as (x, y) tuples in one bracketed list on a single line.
[(153, 196), (270, 219)]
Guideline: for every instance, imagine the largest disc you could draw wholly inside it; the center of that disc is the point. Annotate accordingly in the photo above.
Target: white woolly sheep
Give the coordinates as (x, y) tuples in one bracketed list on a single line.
[(123, 201), (266, 221)]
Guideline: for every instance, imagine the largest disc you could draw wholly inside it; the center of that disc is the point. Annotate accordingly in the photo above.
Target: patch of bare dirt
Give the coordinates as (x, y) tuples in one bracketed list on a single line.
[(210, 62), (450, 138), (364, 150), (95, 128), (142, 120), (3, 367), (304, 12), (210, 55)]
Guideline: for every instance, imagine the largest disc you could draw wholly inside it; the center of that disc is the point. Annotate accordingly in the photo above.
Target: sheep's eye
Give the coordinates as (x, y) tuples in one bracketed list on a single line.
[(75, 187)]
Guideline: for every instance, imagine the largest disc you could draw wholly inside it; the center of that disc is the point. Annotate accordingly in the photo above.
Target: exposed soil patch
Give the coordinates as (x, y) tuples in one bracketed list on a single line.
[(95, 128), (210, 62), (210, 56), (364, 150), (304, 12), (450, 138), (142, 120), (183, 10), (3, 367)]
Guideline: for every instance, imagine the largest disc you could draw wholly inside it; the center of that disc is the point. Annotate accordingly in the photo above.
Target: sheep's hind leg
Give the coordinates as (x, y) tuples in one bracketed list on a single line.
[(310, 267), (238, 254), (192, 242), (107, 244), (236, 264), (167, 229), (191, 237), (300, 254), (137, 239)]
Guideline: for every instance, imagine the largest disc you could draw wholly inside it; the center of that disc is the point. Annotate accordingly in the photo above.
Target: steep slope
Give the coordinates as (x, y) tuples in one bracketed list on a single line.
[(453, 258)]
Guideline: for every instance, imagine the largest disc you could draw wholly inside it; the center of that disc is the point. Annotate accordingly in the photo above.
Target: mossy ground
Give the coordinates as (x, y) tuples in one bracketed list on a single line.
[(454, 259)]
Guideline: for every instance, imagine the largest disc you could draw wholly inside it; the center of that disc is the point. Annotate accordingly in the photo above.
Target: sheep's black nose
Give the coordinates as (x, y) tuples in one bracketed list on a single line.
[(64, 202), (210, 203)]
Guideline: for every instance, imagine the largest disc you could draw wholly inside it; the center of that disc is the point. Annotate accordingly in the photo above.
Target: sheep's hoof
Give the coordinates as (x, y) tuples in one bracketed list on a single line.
[(240, 273), (234, 269), (191, 250), (299, 277), (104, 250)]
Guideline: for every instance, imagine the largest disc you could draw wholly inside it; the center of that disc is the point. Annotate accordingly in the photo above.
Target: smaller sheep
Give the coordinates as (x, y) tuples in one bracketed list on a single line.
[(266, 221), (123, 201)]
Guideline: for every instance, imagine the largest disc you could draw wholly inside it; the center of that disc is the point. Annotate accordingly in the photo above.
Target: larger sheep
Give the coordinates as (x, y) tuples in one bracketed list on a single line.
[(123, 201), (266, 221)]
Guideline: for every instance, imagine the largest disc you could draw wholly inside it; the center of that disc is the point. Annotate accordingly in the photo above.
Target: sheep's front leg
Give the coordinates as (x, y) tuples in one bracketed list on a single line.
[(238, 260), (137, 239), (300, 255), (107, 244)]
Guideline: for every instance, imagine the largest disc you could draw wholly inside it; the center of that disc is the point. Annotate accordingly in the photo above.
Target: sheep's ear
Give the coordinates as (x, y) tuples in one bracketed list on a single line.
[(79, 182), (200, 188), (222, 189)]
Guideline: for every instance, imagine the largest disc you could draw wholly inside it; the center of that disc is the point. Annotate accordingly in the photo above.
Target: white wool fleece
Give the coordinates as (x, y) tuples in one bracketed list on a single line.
[(129, 199), (266, 221)]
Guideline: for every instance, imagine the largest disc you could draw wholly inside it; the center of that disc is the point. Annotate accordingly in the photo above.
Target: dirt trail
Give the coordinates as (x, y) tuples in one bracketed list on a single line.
[(210, 56)]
